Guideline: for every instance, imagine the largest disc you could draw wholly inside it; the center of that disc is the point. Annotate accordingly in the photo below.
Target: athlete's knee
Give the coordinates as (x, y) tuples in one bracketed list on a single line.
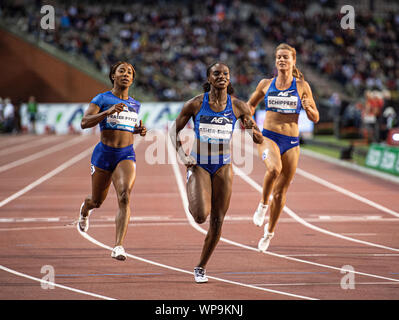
[(199, 215), (124, 197), (200, 219), (279, 195), (274, 171)]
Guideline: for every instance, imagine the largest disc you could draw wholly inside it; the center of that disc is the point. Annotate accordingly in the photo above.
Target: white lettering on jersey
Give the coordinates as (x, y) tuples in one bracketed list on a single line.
[(125, 120)]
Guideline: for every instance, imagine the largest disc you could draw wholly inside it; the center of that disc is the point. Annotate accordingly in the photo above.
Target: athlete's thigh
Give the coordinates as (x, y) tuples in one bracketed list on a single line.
[(100, 182), (289, 162), (269, 152), (199, 190), (222, 182), (124, 176)]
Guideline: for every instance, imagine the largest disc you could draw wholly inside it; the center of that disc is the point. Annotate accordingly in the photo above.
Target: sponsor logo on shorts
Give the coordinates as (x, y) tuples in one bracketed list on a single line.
[(264, 154)]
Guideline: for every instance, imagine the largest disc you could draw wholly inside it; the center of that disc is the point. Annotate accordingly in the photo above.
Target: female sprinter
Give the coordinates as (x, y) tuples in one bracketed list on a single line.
[(113, 158), (209, 172), (284, 96)]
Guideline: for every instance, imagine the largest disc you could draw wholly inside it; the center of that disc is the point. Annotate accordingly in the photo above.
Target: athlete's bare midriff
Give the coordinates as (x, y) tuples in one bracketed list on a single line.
[(116, 138), (286, 124)]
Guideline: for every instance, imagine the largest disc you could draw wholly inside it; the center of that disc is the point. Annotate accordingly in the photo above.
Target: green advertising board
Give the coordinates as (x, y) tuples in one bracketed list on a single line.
[(384, 158)]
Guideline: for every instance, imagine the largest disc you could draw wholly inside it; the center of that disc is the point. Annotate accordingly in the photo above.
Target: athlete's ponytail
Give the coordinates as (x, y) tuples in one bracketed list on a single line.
[(295, 71)]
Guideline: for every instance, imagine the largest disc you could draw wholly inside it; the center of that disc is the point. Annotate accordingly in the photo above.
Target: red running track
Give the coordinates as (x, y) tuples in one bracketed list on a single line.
[(44, 180)]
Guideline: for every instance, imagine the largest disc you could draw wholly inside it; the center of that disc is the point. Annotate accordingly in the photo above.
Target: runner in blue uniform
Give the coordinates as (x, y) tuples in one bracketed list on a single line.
[(284, 97), (113, 159), (209, 171)]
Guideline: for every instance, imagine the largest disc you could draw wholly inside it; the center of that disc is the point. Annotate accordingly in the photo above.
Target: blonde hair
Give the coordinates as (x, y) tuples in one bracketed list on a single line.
[(295, 71)]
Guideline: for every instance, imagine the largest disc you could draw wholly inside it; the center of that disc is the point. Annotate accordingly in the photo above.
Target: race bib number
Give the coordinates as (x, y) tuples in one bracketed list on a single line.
[(283, 102), (215, 129), (125, 120)]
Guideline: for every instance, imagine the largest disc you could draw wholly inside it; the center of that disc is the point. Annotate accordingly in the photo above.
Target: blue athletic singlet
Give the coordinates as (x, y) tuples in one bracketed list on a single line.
[(283, 101), (286, 102), (214, 127), (125, 120)]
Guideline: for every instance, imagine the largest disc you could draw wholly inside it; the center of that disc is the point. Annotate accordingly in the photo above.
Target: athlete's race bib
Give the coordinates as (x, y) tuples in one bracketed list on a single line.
[(214, 129), (125, 120), (283, 102)]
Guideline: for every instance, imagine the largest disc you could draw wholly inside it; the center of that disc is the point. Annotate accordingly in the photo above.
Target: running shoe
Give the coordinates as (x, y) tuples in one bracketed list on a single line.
[(83, 222), (199, 275), (265, 241), (118, 253), (260, 214)]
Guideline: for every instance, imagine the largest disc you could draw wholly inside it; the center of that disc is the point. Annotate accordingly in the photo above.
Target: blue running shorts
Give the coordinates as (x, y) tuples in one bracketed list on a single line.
[(107, 158), (284, 142)]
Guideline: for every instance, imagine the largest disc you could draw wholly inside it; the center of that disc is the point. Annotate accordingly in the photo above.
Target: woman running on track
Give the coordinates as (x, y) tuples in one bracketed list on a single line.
[(113, 158), (209, 172), (284, 97)]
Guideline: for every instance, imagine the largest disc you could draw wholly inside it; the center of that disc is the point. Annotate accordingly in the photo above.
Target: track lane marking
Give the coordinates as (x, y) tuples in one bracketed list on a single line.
[(23, 275), (47, 176), (31, 186), (346, 192), (183, 195), (100, 244), (41, 154), (337, 188), (29, 144), (293, 215)]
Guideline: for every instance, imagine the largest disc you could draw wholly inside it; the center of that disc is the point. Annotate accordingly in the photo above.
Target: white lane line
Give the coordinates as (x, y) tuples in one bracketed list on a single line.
[(29, 144), (293, 215), (319, 284), (336, 188), (54, 284), (346, 192), (351, 166), (5, 141), (98, 243), (34, 184), (51, 174), (42, 153), (47, 176), (183, 196)]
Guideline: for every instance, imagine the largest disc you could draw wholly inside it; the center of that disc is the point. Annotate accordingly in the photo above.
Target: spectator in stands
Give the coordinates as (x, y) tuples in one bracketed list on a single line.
[(389, 121), (9, 117), (32, 112), (191, 35), (17, 117), (369, 117)]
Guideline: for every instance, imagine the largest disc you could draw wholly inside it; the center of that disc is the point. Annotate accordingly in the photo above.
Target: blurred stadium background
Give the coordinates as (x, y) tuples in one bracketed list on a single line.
[(354, 73)]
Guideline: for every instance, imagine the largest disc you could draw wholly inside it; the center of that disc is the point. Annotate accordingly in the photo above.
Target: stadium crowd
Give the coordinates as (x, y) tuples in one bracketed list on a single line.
[(171, 43)]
